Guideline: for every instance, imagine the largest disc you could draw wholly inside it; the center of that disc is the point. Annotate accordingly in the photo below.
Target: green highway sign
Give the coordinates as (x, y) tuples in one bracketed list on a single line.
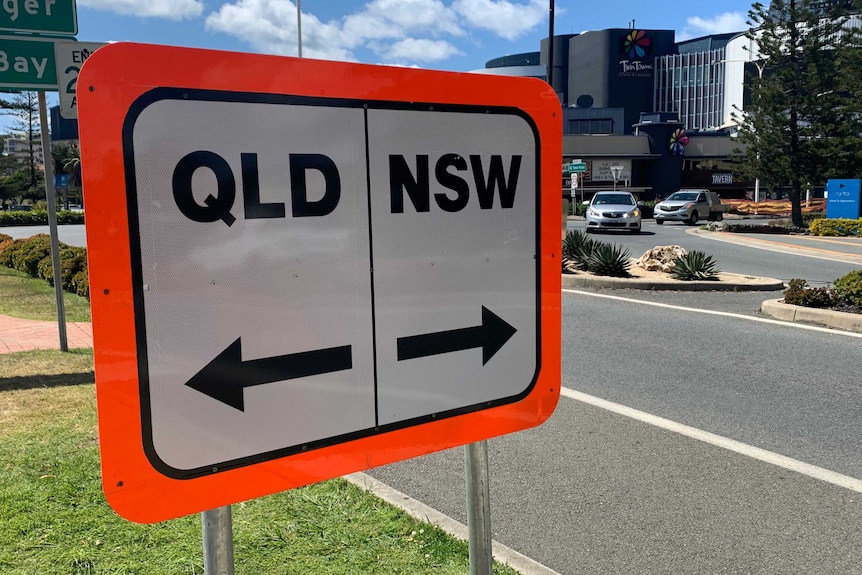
[(27, 63), (576, 167), (57, 17)]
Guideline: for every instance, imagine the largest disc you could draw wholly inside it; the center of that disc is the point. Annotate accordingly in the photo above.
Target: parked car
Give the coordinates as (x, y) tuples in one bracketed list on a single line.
[(611, 210), (690, 206)]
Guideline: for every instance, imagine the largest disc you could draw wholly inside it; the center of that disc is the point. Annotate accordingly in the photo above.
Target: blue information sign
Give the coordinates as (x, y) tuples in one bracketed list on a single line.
[(843, 199)]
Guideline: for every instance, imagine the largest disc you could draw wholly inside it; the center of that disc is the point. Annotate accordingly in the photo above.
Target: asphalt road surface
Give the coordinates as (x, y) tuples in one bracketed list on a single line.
[(700, 438)]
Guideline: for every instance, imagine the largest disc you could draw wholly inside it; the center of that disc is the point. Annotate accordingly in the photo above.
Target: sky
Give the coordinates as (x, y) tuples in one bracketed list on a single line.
[(455, 35)]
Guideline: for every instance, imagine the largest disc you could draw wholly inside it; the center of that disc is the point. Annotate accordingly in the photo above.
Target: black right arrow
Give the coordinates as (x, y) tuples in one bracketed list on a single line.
[(490, 336), (227, 375)]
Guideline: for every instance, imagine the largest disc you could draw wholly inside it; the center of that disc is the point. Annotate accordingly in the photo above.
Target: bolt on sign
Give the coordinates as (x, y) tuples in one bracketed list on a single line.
[(301, 269)]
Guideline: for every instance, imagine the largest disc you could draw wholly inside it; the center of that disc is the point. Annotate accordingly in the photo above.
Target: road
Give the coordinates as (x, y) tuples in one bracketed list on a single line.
[(741, 458), (777, 256), (72, 234)]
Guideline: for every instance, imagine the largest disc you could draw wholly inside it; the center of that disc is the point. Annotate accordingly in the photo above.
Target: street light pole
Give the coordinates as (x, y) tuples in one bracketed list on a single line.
[(760, 68), (299, 28)]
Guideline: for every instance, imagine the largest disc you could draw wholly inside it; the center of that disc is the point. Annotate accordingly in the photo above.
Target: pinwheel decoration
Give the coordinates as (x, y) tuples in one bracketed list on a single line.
[(635, 44), (678, 142)]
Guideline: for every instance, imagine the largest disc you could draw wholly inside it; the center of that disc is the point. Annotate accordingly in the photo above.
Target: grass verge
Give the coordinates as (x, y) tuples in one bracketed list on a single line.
[(54, 518), (32, 298)]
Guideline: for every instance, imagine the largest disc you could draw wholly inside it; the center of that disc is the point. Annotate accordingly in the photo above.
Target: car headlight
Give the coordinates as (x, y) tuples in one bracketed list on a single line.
[(594, 213), (688, 206), (633, 214)]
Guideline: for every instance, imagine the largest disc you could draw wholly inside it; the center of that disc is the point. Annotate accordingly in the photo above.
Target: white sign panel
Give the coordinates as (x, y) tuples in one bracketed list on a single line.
[(310, 270), (602, 170), (70, 56)]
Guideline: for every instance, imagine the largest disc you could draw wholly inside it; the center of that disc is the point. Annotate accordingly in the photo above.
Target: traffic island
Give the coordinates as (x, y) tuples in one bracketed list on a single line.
[(652, 280)]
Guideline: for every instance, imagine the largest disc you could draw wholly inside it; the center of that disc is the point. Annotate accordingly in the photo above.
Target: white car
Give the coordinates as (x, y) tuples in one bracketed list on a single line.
[(613, 211), (689, 206)]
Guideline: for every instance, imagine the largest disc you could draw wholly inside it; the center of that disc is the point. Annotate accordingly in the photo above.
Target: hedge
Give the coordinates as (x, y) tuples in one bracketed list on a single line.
[(39, 218), (33, 256), (836, 227)]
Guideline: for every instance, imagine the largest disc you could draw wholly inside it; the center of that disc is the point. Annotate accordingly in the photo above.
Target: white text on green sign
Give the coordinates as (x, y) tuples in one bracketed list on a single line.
[(27, 63), (41, 16)]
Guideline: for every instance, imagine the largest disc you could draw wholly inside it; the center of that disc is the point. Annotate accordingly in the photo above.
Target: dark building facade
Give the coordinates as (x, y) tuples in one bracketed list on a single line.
[(615, 69), (636, 100)]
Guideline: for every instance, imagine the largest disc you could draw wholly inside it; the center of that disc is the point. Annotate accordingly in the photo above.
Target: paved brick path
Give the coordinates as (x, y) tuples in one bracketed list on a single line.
[(24, 334)]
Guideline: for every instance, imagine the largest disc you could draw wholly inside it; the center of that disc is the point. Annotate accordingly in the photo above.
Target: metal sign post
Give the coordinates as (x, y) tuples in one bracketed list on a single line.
[(52, 220), (616, 172), (217, 527), (478, 508)]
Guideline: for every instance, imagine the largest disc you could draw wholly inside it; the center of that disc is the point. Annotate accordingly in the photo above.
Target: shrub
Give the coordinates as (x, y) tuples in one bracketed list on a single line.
[(29, 252), (33, 256), (81, 284), (836, 227), (609, 260), (39, 217), (577, 247), (72, 260), (798, 293), (695, 265), (848, 288)]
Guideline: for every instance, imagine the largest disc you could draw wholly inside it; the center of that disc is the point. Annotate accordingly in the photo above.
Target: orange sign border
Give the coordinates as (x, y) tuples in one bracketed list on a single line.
[(111, 80)]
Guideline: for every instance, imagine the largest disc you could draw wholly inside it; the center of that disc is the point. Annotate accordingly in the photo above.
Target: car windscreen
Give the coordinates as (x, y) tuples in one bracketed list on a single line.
[(683, 196), (617, 199)]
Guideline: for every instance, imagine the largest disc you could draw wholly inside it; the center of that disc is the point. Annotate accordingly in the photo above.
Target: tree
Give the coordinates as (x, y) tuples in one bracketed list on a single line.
[(802, 125), (24, 109)]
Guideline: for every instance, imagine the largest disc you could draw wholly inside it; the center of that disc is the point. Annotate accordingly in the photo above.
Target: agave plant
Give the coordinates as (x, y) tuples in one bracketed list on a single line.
[(609, 260), (695, 265), (577, 247)]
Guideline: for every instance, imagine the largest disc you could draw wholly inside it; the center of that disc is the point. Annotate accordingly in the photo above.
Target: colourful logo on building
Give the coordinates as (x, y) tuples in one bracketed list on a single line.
[(636, 44), (678, 142)]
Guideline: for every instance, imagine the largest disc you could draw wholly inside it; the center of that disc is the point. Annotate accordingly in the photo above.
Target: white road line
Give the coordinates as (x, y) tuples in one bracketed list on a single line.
[(719, 313), (719, 441), (793, 251)]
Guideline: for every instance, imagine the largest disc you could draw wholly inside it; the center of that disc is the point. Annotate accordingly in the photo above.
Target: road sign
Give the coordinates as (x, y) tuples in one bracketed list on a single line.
[(308, 274), (576, 167), (27, 63), (56, 17), (843, 199), (70, 56)]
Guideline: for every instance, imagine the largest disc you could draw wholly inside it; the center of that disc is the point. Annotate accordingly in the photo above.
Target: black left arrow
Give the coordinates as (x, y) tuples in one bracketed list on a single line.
[(490, 336), (226, 377)]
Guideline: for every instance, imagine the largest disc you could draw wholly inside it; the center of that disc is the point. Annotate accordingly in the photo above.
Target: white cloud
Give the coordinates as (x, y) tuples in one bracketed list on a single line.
[(270, 26), (399, 30), (719, 24), (172, 9), (506, 19), (420, 50)]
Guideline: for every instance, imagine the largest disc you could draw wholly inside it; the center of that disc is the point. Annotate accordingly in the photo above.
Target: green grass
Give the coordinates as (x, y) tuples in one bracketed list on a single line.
[(32, 298), (54, 518)]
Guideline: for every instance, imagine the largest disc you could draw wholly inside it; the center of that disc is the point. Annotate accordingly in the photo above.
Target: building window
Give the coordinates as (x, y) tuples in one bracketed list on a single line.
[(591, 126)]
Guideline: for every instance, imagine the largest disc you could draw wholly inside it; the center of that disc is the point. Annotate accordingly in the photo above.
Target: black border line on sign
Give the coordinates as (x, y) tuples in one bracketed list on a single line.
[(183, 94)]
